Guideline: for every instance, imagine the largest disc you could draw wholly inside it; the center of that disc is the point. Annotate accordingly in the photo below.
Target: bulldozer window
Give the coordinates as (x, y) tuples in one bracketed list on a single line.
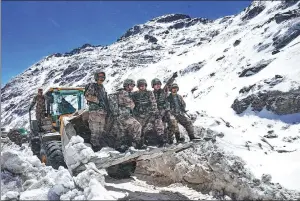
[(65, 101), (65, 104)]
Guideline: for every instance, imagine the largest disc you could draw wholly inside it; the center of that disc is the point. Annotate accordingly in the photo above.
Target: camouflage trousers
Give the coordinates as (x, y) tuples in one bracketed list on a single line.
[(130, 130), (97, 121), (171, 128), (39, 115), (151, 123), (186, 123)]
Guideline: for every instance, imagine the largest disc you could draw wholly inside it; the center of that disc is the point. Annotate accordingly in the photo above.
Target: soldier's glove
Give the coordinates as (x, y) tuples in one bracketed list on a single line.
[(174, 75)]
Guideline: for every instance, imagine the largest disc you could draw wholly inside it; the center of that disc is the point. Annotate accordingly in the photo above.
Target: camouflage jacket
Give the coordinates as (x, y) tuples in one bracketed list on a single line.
[(177, 104), (122, 104), (39, 100), (161, 99), (144, 102), (162, 94), (96, 97)]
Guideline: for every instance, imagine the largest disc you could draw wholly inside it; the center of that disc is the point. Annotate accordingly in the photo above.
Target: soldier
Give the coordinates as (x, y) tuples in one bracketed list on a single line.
[(122, 110), (164, 109), (96, 97), (39, 100), (177, 106), (145, 111)]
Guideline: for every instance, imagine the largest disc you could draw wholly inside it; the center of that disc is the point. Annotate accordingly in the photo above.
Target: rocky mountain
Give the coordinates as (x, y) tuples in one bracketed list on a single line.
[(238, 74)]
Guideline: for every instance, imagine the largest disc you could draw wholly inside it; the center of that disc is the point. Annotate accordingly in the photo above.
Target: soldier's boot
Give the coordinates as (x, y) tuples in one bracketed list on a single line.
[(191, 133), (122, 148), (95, 143), (179, 139), (139, 144), (163, 142), (170, 137), (193, 137), (96, 148), (170, 141)]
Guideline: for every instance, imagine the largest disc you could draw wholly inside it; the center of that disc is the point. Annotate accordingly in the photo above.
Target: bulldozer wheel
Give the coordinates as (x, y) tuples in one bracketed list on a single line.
[(54, 155), (121, 171)]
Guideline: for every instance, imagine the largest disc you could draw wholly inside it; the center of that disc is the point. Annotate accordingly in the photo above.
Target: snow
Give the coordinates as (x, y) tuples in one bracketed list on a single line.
[(98, 191), (77, 153), (282, 166), (261, 163), (218, 84)]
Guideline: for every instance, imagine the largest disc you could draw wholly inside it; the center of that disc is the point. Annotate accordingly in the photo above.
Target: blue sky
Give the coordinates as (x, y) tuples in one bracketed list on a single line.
[(32, 30)]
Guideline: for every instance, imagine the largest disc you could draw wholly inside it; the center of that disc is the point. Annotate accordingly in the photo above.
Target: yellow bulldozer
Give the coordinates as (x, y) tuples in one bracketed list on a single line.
[(46, 140)]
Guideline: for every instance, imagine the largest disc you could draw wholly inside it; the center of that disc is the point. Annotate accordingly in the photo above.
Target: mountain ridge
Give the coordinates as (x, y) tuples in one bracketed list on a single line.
[(153, 37)]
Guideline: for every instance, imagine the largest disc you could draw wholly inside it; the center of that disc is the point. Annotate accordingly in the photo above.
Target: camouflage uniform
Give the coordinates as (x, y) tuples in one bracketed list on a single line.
[(177, 106), (122, 111), (146, 112), (40, 110), (164, 109), (98, 108)]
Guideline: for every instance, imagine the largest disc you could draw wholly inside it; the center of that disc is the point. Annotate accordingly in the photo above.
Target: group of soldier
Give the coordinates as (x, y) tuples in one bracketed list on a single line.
[(163, 108), (135, 111)]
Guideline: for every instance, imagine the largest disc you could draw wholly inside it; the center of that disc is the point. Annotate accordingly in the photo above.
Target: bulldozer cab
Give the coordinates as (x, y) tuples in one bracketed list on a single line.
[(63, 101)]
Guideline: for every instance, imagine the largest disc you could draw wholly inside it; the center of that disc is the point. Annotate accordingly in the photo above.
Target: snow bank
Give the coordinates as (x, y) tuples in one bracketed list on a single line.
[(24, 177)]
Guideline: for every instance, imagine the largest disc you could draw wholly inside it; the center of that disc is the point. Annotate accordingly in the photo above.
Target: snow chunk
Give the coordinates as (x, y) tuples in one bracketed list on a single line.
[(9, 182), (73, 195), (64, 178), (35, 194), (96, 191), (10, 195), (11, 161), (55, 192), (77, 153), (83, 179)]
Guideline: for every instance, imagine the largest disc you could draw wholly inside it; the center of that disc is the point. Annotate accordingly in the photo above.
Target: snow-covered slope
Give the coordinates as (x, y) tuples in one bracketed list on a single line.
[(242, 69)]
